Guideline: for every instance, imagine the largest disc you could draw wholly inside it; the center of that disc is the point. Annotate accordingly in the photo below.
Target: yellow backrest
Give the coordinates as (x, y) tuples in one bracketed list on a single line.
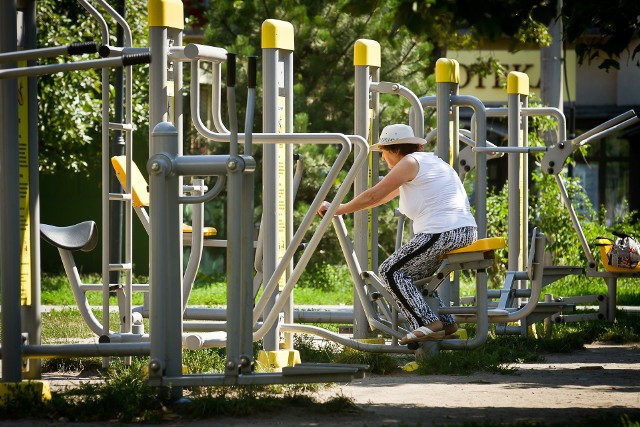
[(139, 186)]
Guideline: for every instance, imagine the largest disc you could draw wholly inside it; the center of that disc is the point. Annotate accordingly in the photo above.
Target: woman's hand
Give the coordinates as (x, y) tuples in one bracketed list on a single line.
[(323, 208)]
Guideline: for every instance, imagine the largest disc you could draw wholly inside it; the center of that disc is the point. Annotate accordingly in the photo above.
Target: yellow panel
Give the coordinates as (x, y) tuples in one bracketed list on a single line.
[(366, 53), (138, 182), (517, 83), (481, 245), (277, 34), (447, 71), (37, 389), (166, 13)]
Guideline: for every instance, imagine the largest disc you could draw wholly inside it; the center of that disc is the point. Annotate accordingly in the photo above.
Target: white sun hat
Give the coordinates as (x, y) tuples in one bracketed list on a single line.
[(397, 134)]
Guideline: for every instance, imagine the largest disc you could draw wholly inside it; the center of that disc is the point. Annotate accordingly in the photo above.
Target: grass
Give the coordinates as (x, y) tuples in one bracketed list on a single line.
[(123, 386), (124, 397)]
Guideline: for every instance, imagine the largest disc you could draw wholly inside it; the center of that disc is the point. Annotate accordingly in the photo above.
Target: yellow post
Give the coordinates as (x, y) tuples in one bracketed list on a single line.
[(277, 46), (166, 13)]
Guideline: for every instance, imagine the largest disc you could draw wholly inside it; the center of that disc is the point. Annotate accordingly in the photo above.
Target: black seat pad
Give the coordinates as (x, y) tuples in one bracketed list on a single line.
[(82, 236)]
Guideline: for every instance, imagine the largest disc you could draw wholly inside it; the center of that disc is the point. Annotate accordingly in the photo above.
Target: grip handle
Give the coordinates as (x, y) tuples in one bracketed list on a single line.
[(253, 61), (82, 47), (231, 69), (136, 58)]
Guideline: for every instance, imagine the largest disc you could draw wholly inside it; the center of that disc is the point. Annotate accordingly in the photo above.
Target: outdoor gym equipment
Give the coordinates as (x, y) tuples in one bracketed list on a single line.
[(272, 263), (554, 158), (19, 212)]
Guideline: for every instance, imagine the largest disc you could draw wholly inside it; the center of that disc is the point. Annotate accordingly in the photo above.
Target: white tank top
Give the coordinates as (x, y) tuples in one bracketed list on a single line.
[(435, 199)]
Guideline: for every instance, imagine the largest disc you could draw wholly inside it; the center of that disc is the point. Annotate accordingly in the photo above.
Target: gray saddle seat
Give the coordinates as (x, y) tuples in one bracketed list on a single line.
[(82, 236)]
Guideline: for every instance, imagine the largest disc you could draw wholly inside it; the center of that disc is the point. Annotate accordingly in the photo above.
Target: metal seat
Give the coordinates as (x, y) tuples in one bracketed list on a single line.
[(82, 236)]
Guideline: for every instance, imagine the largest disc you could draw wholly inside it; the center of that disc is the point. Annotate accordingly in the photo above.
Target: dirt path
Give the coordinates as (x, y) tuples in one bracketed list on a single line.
[(597, 382)]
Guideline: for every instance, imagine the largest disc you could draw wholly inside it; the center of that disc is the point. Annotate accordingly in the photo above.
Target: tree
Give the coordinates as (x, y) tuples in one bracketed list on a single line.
[(69, 104), (323, 71), (602, 30), (448, 24)]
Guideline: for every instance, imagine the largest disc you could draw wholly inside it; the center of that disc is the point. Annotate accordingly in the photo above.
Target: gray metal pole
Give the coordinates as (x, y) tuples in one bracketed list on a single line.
[(289, 194), (158, 98), (551, 65), (165, 320), (269, 190), (518, 173), (117, 149), (31, 313), (247, 300), (447, 80), (361, 183), (367, 61), (9, 206), (513, 174), (234, 244)]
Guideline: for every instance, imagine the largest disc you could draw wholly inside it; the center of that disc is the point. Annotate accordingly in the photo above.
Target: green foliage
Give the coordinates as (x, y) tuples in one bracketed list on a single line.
[(326, 277), (323, 77), (206, 360), (69, 104), (378, 363), (246, 401), (314, 351), (322, 351), (464, 24), (616, 24)]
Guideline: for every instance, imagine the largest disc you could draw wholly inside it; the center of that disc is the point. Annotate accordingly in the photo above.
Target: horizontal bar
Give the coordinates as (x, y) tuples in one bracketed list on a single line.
[(41, 70), (50, 52)]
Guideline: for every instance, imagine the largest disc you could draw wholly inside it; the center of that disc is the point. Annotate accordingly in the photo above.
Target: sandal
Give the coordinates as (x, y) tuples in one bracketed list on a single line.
[(426, 334)]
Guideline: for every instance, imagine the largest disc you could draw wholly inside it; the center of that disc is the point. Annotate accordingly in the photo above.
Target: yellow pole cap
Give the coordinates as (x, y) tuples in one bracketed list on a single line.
[(518, 83), (366, 53), (447, 71), (166, 13), (277, 34)]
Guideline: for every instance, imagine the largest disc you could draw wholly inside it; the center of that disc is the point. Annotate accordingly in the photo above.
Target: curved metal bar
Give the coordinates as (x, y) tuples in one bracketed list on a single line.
[(297, 178), (342, 191), (209, 195), (80, 297), (98, 17), (128, 39), (417, 116), (357, 345), (306, 222), (195, 256)]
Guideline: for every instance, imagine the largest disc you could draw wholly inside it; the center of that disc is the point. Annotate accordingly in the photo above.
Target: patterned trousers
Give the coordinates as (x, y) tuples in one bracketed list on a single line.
[(417, 259)]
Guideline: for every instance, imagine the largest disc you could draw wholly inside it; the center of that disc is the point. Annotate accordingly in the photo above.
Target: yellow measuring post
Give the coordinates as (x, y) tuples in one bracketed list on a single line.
[(25, 214), (281, 174)]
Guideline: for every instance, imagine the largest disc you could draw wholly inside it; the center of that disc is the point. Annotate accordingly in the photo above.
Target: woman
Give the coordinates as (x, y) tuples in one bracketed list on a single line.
[(433, 197)]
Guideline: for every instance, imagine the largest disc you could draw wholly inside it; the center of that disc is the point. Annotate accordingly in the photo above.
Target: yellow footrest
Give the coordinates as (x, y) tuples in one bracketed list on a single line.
[(274, 361)]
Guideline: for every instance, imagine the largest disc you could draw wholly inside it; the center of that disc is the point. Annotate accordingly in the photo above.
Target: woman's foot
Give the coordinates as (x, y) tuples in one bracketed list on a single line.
[(432, 331), (423, 333), (450, 329)]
